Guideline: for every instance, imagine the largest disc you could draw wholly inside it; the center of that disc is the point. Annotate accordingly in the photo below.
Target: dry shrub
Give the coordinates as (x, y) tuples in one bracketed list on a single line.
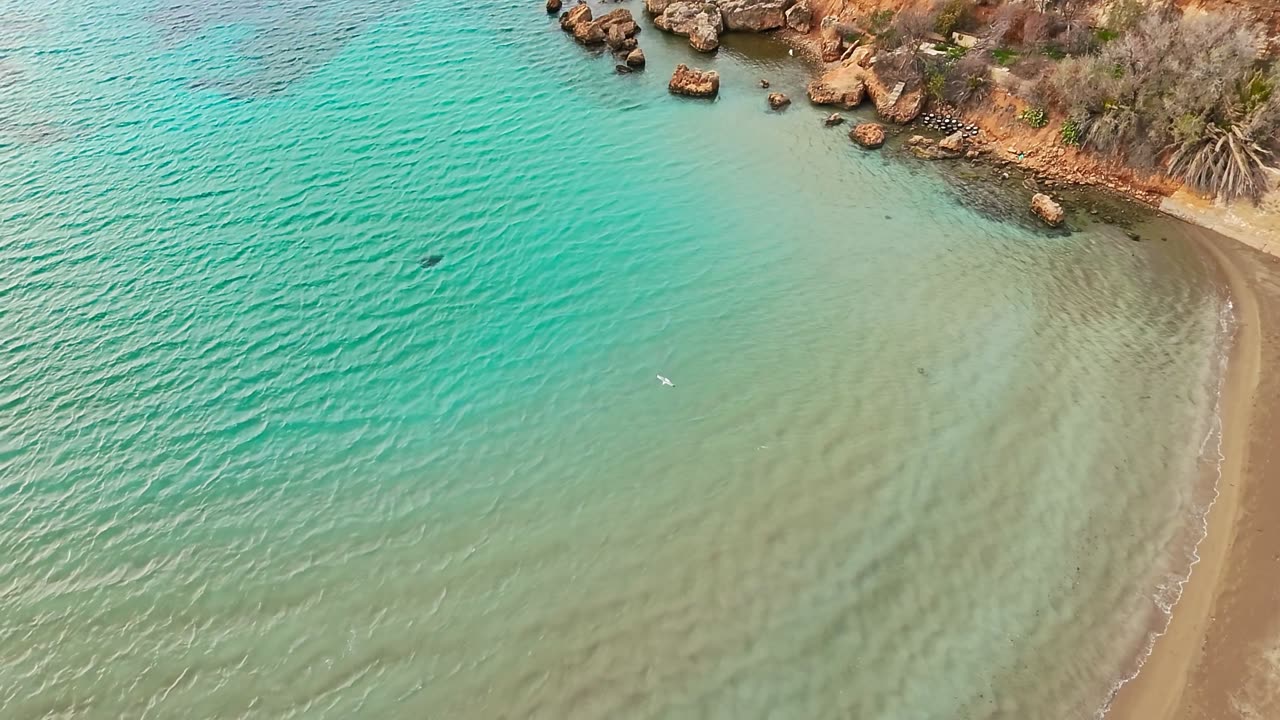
[(1185, 89)]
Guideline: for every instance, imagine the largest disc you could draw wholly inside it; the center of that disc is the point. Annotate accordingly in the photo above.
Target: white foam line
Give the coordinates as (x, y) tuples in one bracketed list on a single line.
[(1226, 322)]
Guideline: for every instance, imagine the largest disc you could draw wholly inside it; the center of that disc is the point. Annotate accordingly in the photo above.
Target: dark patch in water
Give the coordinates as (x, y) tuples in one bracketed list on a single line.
[(287, 41), (430, 261)]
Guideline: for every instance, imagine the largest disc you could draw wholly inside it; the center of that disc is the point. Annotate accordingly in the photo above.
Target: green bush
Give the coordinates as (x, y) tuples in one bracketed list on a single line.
[(1004, 56), (1036, 117), (952, 15), (1071, 133), (879, 21)]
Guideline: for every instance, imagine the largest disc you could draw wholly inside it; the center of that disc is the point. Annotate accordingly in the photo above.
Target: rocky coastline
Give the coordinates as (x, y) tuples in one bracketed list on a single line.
[(848, 77)]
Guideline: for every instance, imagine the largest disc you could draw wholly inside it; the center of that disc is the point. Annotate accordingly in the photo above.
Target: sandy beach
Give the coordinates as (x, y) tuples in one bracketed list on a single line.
[(1220, 656)]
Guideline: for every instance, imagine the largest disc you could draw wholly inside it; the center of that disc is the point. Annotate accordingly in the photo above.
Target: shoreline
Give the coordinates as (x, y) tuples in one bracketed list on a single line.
[(1202, 665), (1194, 668)]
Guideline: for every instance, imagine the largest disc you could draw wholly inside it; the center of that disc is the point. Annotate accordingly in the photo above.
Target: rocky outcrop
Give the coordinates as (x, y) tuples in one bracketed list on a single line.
[(842, 86), (704, 37), (693, 82), (635, 58), (576, 15), (553, 7), (754, 15), (800, 17), (926, 149), (895, 103), (588, 33), (832, 43), (701, 22), (656, 7), (868, 135), (681, 17), (862, 56), (620, 44), (778, 101), (1048, 210), (953, 143), (833, 119)]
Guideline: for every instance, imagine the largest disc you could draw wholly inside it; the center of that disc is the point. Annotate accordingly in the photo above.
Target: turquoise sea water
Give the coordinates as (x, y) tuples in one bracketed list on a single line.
[(920, 460)]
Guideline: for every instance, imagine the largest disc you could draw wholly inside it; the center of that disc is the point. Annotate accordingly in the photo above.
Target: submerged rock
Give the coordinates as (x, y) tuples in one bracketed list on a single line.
[(868, 135), (623, 69), (692, 82), (778, 101), (833, 119), (430, 261), (1048, 210)]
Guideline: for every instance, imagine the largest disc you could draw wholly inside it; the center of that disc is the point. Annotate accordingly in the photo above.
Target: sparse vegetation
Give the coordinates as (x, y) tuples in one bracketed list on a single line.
[(1035, 117), (1070, 132), (1186, 92)]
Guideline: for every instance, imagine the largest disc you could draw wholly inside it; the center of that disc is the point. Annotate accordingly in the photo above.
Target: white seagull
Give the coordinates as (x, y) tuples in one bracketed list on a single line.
[(666, 381)]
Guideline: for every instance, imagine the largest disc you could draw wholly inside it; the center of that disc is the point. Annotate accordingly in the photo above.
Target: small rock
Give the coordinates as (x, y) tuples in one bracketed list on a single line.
[(971, 155), (1048, 210), (635, 58), (868, 135), (692, 82), (764, 84), (1133, 236), (778, 101), (553, 7), (833, 119)]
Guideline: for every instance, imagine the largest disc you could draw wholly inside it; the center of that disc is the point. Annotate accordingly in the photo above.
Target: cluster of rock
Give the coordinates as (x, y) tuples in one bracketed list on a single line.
[(692, 82), (948, 124), (848, 84), (703, 21), (948, 148), (616, 28)]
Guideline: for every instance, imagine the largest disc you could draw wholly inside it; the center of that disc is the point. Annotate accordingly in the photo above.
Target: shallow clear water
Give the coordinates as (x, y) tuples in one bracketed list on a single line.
[(919, 460)]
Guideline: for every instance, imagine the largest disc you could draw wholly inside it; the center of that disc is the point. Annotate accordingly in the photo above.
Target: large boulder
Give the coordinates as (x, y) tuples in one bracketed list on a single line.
[(1048, 210), (868, 135), (683, 17), (754, 15), (842, 86), (953, 143), (693, 82), (635, 58), (800, 17), (704, 37), (588, 33), (831, 42), (574, 16), (620, 19)]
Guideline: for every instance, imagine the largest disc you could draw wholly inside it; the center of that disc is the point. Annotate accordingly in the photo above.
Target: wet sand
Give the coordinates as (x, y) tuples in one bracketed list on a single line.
[(1220, 656)]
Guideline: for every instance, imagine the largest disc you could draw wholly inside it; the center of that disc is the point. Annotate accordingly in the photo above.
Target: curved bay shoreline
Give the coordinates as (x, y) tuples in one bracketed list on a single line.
[(1216, 656)]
